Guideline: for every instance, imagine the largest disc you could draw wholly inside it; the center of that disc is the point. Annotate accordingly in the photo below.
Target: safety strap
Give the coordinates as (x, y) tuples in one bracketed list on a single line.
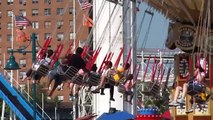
[(85, 51), (128, 57), (147, 65), (119, 58), (92, 59), (160, 70), (70, 48), (108, 57), (162, 74), (56, 55), (43, 50), (102, 64), (130, 65), (154, 68), (167, 79)]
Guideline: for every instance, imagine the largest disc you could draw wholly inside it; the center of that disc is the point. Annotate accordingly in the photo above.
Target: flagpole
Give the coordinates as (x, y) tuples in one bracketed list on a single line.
[(74, 114), (11, 75), (12, 30)]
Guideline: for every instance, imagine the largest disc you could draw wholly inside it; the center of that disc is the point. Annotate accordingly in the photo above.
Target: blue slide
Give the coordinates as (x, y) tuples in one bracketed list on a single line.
[(20, 106)]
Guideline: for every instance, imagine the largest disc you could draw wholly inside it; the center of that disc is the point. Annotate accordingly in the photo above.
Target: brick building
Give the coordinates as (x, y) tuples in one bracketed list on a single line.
[(49, 18)]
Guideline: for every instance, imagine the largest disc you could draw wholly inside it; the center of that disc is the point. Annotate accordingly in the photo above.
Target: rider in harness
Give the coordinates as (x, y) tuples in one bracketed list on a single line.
[(195, 84), (45, 61)]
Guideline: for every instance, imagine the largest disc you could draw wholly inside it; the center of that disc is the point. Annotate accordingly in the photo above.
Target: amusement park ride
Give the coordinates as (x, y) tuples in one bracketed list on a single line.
[(156, 72), (190, 31)]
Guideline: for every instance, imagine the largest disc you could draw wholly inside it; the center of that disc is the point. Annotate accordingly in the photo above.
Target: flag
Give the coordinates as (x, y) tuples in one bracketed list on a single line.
[(21, 36), (84, 4), (21, 21), (87, 21)]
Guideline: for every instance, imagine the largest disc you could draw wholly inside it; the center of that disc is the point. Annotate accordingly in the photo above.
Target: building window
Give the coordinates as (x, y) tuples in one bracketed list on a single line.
[(59, 0), (47, 35), (71, 10), (0, 14), (47, 24), (22, 12), (59, 24), (60, 36), (34, 1), (60, 98), (72, 36), (60, 11), (37, 36), (23, 87), (35, 12), (47, 11), (47, 1), (35, 25), (23, 2), (9, 26), (9, 37), (9, 49), (22, 74), (71, 23), (21, 47), (9, 13), (22, 62), (9, 2)]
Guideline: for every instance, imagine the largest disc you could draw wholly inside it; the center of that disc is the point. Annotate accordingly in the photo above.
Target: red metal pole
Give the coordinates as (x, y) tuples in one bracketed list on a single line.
[(70, 48), (56, 56), (119, 58), (128, 56), (146, 68)]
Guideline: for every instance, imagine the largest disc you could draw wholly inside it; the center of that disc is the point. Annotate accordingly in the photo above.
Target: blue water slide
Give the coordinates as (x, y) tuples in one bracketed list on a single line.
[(20, 106)]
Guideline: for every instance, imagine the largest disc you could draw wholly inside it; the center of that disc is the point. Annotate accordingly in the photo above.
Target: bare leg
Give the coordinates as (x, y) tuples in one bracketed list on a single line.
[(102, 82), (54, 87), (185, 85), (177, 92), (97, 90), (77, 89), (71, 88)]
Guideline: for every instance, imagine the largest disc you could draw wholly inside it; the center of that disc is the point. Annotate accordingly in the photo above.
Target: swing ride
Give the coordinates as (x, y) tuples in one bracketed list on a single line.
[(155, 78), (190, 31)]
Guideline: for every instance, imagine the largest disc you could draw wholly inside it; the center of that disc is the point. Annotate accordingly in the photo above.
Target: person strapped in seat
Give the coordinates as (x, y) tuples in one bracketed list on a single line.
[(193, 87), (126, 88), (70, 62), (110, 78), (34, 71)]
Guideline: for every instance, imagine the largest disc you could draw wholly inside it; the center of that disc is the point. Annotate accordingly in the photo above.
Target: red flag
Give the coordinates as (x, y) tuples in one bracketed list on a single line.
[(21, 36), (87, 21)]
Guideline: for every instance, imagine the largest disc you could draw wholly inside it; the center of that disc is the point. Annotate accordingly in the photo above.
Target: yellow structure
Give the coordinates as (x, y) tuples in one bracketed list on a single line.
[(186, 63)]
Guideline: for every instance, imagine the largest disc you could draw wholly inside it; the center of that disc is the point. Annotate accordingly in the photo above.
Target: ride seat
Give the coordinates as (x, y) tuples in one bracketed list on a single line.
[(194, 88), (93, 79), (154, 90), (110, 80), (121, 89), (71, 72), (78, 79), (41, 69)]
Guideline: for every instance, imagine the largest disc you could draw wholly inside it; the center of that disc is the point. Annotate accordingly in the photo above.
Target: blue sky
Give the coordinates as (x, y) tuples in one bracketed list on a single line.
[(158, 29)]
